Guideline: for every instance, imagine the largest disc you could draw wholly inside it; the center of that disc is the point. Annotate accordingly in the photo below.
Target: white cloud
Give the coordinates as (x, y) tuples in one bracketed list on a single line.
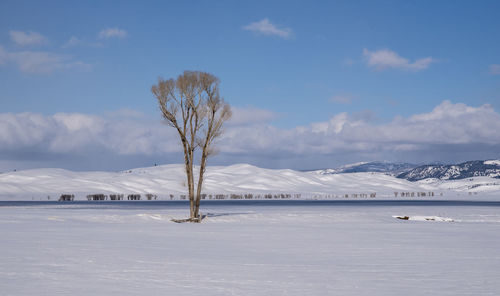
[(112, 33), (446, 131), (495, 69), (39, 62), (386, 59), (27, 38), (265, 27), (458, 125), (76, 133)]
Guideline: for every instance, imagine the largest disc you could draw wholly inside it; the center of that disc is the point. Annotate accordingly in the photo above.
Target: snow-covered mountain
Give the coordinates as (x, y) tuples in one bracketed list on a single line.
[(488, 168), (169, 180), (392, 168)]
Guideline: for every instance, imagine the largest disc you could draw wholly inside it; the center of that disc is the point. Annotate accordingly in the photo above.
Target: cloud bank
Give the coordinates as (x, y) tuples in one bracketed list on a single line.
[(120, 140)]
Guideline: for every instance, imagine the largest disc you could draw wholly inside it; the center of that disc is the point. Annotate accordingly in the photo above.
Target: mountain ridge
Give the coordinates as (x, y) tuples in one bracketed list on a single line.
[(468, 169), (391, 168)]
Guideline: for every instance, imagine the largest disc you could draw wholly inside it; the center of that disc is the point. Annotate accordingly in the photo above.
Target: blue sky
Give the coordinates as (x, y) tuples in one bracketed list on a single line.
[(286, 66)]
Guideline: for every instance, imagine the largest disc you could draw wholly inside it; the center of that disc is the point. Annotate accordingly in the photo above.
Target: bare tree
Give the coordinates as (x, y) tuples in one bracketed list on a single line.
[(193, 106)]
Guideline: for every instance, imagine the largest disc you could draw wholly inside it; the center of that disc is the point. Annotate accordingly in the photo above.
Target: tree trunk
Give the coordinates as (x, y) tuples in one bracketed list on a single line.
[(192, 213), (203, 163), (188, 162)]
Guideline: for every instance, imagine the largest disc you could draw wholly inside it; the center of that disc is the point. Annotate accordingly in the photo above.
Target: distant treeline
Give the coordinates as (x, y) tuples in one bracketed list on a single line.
[(228, 196)]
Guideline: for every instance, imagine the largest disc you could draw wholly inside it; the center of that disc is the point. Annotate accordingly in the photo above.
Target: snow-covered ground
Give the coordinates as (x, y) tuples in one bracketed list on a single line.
[(163, 181), (250, 248), (493, 162)]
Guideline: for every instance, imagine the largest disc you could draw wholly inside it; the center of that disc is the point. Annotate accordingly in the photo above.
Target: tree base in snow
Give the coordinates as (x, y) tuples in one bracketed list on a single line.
[(192, 220)]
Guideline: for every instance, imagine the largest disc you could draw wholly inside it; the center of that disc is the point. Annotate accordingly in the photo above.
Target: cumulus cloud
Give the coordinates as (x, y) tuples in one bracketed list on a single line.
[(457, 127), (22, 38), (112, 33), (387, 59), (265, 27), (449, 132), (495, 69), (40, 62), (77, 133)]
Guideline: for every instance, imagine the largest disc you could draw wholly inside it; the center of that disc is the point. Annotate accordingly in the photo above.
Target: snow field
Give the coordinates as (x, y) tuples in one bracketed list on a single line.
[(102, 249)]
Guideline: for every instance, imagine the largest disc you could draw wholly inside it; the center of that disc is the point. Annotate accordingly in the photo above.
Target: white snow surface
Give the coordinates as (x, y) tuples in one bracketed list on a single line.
[(493, 162), (425, 218), (39, 184), (318, 249)]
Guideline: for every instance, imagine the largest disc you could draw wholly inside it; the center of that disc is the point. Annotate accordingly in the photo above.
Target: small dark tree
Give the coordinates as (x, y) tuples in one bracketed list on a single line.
[(193, 106)]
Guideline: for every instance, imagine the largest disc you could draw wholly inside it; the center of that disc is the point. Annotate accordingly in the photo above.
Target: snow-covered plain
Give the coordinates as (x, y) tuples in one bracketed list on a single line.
[(447, 246), (166, 180), (340, 247)]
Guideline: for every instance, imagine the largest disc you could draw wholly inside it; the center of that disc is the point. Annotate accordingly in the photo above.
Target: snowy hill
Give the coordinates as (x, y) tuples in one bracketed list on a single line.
[(169, 180), (392, 168), (488, 168)]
